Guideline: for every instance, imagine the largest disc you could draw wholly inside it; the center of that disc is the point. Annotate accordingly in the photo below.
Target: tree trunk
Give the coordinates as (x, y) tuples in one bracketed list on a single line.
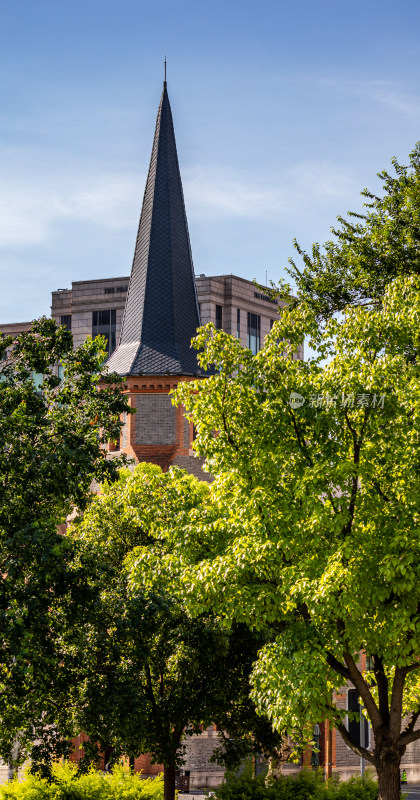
[(107, 757), (13, 764), (278, 758), (388, 770), (169, 782)]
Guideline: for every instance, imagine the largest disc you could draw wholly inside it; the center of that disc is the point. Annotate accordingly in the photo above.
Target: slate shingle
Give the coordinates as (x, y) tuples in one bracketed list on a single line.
[(161, 313)]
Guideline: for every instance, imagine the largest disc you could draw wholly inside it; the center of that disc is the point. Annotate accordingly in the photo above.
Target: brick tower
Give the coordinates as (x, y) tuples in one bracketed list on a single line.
[(161, 314)]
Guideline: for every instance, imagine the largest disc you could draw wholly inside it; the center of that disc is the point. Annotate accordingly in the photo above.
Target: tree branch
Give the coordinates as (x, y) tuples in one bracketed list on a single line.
[(336, 665), (406, 738), (225, 425), (355, 485), (177, 734), (376, 486), (350, 426), (382, 684), (395, 715), (150, 686), (409, 728), (411, 668), (302, 446), (361, 751), (362, 687), (330, 498)]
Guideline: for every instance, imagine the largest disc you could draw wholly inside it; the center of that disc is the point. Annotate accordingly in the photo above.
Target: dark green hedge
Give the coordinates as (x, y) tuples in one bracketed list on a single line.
[(305, 785)]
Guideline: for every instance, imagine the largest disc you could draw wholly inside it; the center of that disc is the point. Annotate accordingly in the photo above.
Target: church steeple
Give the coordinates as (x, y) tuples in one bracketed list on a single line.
[(161, 313)]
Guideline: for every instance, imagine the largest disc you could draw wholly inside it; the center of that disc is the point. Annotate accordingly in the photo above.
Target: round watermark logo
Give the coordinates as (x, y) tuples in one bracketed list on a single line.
[(296, 400)]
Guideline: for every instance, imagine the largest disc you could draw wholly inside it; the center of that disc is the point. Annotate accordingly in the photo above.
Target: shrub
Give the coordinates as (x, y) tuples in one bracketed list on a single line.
[(69, 784), (305, 785), (354, 789)]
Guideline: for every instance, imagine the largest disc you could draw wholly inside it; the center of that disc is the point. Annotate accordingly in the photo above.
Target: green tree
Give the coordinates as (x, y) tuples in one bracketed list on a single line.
[(153, 673), (368, 250), (53, 429), (319, 511)]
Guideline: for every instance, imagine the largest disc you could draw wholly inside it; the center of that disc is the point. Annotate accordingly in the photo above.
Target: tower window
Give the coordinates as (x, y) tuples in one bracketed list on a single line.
[(104, 324), (65, 321), (219, 316), (238, 323), (254, 332)]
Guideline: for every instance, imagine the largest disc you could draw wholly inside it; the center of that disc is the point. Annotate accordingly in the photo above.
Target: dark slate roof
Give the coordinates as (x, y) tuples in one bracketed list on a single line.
[(161, 313)]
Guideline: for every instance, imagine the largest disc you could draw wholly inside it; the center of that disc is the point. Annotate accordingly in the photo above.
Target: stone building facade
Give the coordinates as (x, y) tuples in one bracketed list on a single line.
[(228, 301)]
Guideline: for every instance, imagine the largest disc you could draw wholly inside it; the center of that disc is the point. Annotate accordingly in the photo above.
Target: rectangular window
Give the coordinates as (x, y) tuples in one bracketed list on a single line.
[(254, 332), (219, 317), (357, 728), (65, 321), (104, 324), (238, 323), (272, 321), (316, 738), (38, 380)]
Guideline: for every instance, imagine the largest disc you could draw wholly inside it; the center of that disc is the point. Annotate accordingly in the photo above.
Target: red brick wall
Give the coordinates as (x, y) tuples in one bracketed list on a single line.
[(78, 752), (177, 428), (143, 764)]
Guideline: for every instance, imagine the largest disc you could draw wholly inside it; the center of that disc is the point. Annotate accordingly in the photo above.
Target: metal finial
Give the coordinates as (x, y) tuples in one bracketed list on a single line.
[(165, 72)]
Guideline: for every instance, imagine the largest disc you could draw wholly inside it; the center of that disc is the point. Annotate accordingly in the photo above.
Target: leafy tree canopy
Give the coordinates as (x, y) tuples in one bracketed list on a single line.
[(153, 673), (54, 422), (53, 426), (317, 533), (368, 250)]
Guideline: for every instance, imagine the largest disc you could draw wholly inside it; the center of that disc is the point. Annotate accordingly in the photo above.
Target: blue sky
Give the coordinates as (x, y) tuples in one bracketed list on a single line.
[(283, 113)]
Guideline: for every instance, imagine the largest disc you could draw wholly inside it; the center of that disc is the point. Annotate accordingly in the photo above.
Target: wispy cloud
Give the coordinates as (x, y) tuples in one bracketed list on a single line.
[(32, 206), (401, 103), (391, 94), (212, 192)]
